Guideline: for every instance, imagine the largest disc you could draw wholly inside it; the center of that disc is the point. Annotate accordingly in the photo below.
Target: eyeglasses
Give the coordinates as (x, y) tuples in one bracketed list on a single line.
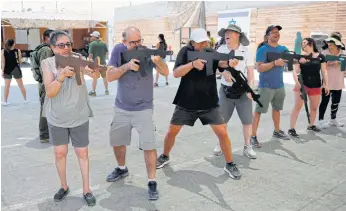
[(62, 45), (138, 42)]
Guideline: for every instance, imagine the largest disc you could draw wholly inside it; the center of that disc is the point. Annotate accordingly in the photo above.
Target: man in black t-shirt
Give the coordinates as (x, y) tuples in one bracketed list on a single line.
[(197, 98)]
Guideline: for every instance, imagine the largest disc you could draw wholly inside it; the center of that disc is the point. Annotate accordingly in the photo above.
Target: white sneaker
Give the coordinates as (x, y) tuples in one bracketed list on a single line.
[(217, 150), (26, 101), (5, 103), (321, 124), (336, 123), (248, 151)]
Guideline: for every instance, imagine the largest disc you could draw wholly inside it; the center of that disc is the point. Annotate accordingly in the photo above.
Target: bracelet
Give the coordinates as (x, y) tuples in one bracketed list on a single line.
[(274, 62), (193, 65)]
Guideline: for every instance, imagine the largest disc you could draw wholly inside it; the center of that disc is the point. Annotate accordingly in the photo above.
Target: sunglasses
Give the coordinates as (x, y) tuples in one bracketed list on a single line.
[(62, 45)]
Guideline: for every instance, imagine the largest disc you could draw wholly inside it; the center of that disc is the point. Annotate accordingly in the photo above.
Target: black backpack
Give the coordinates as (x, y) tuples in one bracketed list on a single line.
[(35, 63)]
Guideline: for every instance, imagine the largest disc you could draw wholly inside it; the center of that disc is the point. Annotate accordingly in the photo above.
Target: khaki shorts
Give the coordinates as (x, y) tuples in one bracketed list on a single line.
[(274, 96), (103, 74), (124, 121)]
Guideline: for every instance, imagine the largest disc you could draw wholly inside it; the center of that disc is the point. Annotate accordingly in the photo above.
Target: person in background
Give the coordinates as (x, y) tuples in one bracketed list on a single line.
[(311, 74), (161, 45), (97, 48), (212, 40), (11, 58), (333, 46)]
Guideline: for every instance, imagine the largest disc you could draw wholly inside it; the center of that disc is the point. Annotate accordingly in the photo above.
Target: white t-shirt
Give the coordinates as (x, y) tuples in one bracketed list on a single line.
[(242, 64)]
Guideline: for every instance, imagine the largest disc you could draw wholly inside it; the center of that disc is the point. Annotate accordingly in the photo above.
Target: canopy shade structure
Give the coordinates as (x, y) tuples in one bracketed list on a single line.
[(42, 19), (187, 15)]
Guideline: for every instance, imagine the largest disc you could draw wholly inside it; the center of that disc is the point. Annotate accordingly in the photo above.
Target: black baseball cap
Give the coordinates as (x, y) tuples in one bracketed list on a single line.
[(270, 28)]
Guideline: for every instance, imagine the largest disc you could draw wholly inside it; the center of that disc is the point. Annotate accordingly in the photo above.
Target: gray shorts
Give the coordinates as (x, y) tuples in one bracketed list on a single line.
[(61, 136), (243, 106), (182, 116), (274, 96), (16, 73), (124, 121)]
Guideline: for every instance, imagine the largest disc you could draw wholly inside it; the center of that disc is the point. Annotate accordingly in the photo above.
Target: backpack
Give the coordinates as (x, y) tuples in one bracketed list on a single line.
[(35, 63)]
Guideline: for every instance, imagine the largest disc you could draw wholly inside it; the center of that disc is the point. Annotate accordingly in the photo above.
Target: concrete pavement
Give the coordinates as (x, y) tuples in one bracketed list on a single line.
[(297, 175)]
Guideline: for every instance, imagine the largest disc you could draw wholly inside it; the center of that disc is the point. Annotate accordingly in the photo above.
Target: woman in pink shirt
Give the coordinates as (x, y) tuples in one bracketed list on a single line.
[(333, 46)]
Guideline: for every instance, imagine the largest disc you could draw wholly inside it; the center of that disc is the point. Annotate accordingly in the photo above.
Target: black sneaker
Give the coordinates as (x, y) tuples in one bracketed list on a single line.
[(117, 174), (153, 193), (162, 160), (61, 194), (314, 128), (232, 170), (292, 132), (281, 134), (89, 199), (254, 142)]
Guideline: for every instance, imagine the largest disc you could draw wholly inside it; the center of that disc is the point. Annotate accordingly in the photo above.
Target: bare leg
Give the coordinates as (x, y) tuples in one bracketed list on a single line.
[(157, 78), (225, 143), (314, 104), (60, 162), (296, 109), (105, 82), (7, 89), (83, 159), (255, 123), (120, 154), (247, 133), (276, 119), (150, 157), (94, 84), (170, 138), (22, 88)]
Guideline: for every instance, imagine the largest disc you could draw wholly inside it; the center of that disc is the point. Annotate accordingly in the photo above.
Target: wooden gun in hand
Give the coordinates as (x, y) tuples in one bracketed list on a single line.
[(75, 60)]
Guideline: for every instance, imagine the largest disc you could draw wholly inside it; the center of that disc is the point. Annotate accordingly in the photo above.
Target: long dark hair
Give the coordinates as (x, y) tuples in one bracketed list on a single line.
[(311, 42), (9, 43), (162, 38)]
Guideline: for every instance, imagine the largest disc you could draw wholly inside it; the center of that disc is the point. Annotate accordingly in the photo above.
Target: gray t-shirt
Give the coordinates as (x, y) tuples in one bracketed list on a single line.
[(135, 93), (70, 107)]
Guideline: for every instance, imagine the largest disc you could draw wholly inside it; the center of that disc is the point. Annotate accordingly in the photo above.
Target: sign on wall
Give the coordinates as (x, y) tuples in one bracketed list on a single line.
[(239, 17)]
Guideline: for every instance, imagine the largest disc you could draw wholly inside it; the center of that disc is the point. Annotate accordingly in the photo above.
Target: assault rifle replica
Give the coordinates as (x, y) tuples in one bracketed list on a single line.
[(341, 59), (74, 60), (291, 57), (211, 55), (144, 56)]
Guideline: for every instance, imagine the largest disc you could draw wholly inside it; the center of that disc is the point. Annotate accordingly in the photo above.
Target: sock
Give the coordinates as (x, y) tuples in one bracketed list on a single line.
[(122, 167), (152, 180)]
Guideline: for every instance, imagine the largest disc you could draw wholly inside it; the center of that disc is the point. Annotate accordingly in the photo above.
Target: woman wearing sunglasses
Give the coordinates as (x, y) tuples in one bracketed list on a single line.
[(310, 72), (67, 110), (333, 46)]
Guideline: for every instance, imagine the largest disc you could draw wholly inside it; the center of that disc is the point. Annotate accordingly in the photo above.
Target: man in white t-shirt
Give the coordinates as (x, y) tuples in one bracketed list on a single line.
[(232, 95)]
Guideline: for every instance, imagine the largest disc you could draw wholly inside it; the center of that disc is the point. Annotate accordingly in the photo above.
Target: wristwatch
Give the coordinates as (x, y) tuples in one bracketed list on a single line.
[(60, 80)]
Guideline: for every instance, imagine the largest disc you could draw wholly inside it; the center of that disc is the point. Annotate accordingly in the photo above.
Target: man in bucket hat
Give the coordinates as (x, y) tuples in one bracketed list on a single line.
[(197, 98), (271, 85), (230, 94)]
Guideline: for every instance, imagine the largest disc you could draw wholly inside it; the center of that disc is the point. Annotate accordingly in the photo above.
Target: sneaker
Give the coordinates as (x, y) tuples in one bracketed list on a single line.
[(281, 134), (336, 123), (106, 92), (162, 160), (248, 151), (92, 93), (219, 77), (156, 84), (321, 124), (61, 194), (44, 140), (167, 83), (232, 171), (89, 199), (26, 101), (217, 150), (5, 103), (153, 193), (254, 142), (314, 128), (292, 132), (117, 174)]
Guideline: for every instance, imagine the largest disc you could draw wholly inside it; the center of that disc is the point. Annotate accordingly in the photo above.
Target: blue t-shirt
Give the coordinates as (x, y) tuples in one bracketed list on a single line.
[(273, 78), (135, 93)]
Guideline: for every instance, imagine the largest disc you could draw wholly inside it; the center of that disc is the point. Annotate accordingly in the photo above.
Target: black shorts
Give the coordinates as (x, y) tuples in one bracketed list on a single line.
[(182, 116)]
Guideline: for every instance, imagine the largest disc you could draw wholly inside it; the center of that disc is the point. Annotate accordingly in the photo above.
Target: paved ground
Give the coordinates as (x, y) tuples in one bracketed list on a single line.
[(306, 175)]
